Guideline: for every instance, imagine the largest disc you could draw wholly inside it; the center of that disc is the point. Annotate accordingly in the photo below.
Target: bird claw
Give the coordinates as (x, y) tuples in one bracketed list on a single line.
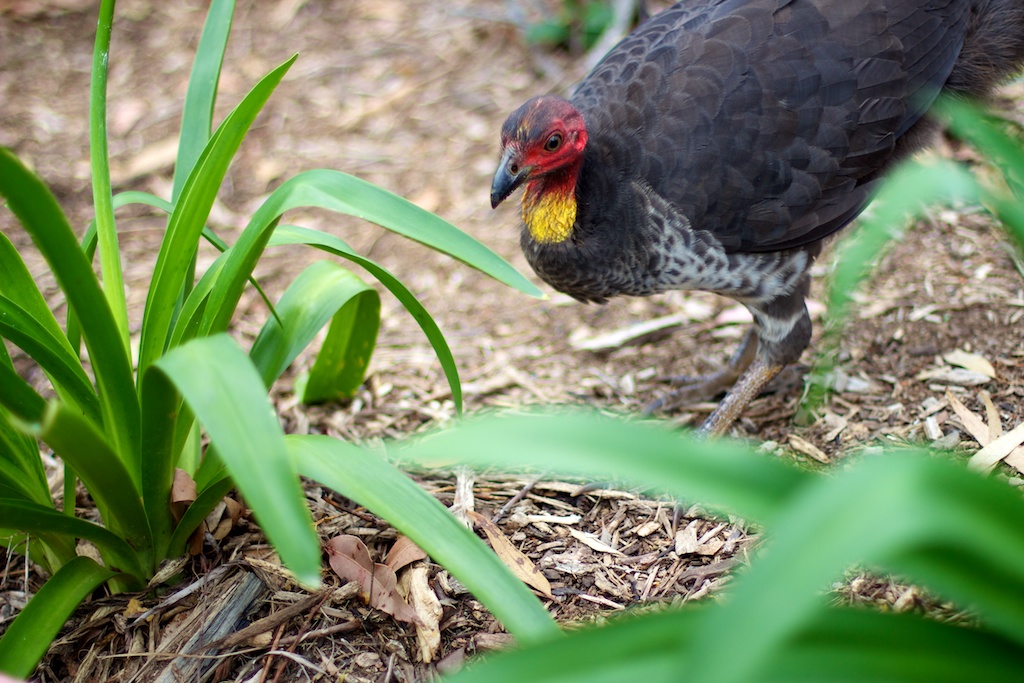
[(697, 390)]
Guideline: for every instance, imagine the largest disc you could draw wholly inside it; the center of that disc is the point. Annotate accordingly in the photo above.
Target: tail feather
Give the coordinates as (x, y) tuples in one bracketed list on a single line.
[(993, 49)]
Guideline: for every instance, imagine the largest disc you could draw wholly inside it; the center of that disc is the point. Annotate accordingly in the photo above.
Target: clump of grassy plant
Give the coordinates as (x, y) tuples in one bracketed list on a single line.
[(125, 426)]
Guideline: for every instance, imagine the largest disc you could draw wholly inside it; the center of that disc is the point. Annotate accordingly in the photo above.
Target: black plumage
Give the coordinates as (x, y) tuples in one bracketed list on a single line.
[(724, 140)]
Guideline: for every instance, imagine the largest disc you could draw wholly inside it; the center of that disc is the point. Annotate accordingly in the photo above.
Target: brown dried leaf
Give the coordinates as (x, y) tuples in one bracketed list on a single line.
[(513, 558), (970, 361), (995, 424), (989, 456), (807, 448), (593, 542), (183, 493), (958, 376), (404, 552), (972, 423), (350, 560), (415, 586)]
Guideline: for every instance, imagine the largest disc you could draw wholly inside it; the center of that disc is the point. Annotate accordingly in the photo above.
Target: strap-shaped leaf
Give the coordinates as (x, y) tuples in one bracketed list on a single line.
[(18, 397), (324, 292), (110, 255), (838, 645), (190, 213), (40, 519), (204, 503), (290, 234), (39, 213), (721, 474), (17, 446), (81, 446), (918, 516), (370, 481), (29, 636), (18, 286), (227, 396), (52, 354), (197, 112)]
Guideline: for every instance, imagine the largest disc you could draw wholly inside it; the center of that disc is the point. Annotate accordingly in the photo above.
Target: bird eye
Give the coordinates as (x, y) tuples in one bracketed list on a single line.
[(553, 143), (513, 168)]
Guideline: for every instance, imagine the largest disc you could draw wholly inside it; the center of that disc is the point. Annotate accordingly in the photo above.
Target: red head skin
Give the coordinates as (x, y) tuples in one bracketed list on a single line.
[(542, 145)]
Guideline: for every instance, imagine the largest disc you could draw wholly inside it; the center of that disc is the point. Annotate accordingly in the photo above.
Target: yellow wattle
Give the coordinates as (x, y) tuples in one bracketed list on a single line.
[(549, 216)]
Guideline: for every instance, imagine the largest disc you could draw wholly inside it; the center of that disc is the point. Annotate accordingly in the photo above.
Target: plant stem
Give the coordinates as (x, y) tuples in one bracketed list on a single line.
[(110, 257)]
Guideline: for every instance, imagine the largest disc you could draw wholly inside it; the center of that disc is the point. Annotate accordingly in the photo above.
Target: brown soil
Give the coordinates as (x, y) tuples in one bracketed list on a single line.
[(410, 94)]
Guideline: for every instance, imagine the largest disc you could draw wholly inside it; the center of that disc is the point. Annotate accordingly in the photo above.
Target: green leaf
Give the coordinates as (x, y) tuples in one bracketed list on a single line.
[(322, 292), (839, 645), (906, 192), (111, 485), (19, 452), (110, 255), (38, 211), (223, 389), (204, 503), (903, 512), (290, 234), (340, 192), (341, 365), (18, 286), (722, 474), (990, 134), (355, 197), (380, 487), (14, 482), (29, 636), (190, 213), (52, 354), (40, 519), (18, 397), (197, 113)]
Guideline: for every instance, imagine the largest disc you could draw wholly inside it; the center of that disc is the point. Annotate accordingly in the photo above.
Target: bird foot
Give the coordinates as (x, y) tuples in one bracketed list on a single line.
[(739, 397), (699, 388), (694, 389)]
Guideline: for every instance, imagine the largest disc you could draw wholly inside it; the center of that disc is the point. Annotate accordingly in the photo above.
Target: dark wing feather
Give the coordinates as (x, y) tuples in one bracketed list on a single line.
[(765, 122)]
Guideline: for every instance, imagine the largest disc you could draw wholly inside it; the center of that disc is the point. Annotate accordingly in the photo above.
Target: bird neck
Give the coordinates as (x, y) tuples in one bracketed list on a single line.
[(549, 206)]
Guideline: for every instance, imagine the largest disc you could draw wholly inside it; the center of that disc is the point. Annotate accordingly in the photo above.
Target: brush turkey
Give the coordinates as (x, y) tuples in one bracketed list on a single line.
[(718, 145)]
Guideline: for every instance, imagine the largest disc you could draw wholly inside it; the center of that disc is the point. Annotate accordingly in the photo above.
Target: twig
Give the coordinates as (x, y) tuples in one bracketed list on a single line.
[(513, 500)]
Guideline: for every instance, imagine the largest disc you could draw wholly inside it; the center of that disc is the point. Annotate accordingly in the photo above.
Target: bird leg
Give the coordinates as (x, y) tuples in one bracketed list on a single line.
[(705, 387), (746, 389), (783, 329), (781, 332)]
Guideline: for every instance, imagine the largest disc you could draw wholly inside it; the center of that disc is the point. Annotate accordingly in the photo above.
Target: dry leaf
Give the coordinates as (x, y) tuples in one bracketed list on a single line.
[(647, 528), (514, 559), (593, 542), (974, 425), (403, 552), (686, 539), (807, 448), (995, 423), (687, 542), (183, 493), (415, 586), (958, 376), (985, 434), (989, 456), (350, 560), (970, 361)]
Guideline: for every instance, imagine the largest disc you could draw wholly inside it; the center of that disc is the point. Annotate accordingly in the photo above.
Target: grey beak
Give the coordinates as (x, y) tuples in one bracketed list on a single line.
[(505, 182)]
